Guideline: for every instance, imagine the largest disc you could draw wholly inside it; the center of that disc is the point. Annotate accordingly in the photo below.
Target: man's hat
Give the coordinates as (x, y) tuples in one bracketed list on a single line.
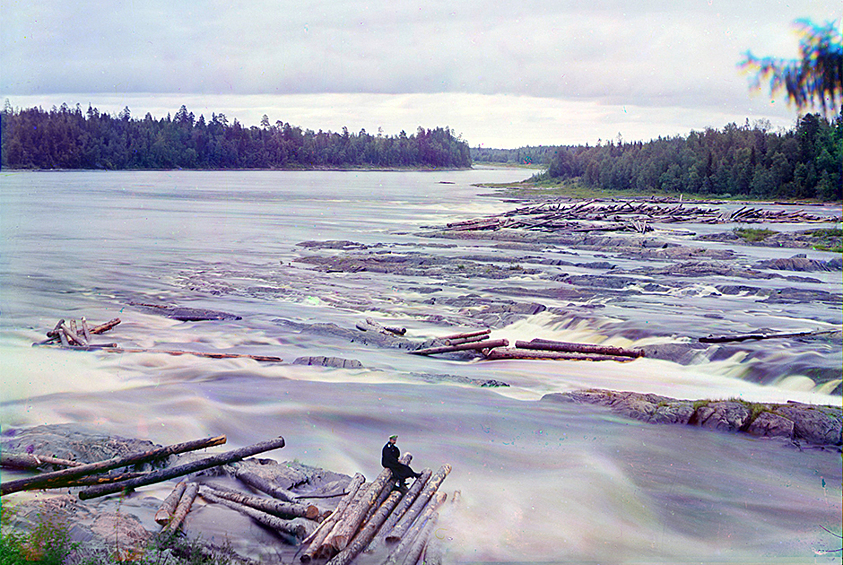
[(393, 436)]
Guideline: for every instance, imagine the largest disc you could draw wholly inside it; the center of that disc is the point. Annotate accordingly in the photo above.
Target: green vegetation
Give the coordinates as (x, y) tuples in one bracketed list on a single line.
[(525, 156), (742, 162), (828, 239), (49, 543), (66, 138), (753, 234)]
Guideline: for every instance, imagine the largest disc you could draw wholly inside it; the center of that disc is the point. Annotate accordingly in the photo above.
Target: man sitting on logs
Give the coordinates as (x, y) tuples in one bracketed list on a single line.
[(400, 471)]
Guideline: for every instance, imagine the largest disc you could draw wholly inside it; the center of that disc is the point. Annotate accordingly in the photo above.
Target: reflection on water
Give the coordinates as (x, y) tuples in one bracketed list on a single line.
[(540, 481)]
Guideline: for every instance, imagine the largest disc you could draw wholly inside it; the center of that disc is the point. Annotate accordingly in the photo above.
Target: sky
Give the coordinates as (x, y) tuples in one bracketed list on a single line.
[(500, 74)]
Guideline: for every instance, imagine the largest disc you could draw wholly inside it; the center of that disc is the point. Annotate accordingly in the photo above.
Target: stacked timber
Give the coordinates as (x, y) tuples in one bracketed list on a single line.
[(378, 515), (627, 215)]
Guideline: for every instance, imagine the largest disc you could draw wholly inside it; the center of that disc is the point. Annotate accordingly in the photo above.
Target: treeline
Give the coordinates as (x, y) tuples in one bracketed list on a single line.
[(751, 161), (529, 155), (66, 138)]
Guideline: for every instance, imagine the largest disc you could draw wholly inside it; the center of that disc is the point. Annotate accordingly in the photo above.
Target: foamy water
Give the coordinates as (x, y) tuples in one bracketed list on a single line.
[(540, 481)]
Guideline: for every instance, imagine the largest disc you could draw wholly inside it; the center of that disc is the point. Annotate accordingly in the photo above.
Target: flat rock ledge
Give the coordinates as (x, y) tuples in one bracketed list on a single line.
[(805, 425)]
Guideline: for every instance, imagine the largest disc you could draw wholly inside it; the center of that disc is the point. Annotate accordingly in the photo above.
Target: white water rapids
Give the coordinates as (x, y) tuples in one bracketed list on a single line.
[(540, 481)]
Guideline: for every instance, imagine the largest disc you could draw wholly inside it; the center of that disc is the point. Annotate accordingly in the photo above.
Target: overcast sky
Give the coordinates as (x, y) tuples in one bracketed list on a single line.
[(502, 74)]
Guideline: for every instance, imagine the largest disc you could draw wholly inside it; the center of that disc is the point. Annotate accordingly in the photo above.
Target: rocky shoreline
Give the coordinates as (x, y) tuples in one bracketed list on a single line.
[(801, 425)]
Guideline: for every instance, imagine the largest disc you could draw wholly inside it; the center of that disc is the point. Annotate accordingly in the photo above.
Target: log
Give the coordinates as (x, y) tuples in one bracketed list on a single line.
[(318, 537), (264, 485), (352, 521), (404, 543), (434, 553), (403, 506), (112, 348), (417, 507), (466, 339), (759, 336), (419, 544), (57, 478), (183, 507), (466, 334), (364, 537), (296, 530), (86, 331), (550, 345), (29, 461), (165, 511), (75, 331), (102, 328), (489, 344), (278, 508), (537, 355), (102, 479), (181, 470)]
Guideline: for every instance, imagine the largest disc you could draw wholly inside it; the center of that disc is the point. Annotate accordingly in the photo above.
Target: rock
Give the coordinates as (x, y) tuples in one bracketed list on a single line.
[(814, 424), (820, 426), (725, 416), (184, 314), (799, 262), (769, 424), (336, 362)]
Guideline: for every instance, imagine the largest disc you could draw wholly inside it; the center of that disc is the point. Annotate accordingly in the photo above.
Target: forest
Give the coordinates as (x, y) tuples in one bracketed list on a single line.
[(747, 161), (539, 155), (68, 138)]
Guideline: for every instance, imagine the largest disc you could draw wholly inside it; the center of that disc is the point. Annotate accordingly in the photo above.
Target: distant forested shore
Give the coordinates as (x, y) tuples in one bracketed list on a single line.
[(745, 161), (70, 138)]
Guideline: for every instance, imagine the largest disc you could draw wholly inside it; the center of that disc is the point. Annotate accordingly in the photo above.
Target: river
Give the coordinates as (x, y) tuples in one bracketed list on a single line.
[(540, 481)]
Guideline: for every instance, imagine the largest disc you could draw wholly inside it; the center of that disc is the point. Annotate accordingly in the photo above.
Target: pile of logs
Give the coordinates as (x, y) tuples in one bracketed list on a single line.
[(78, 336), (625, 216), (376, 515), (534, 349)]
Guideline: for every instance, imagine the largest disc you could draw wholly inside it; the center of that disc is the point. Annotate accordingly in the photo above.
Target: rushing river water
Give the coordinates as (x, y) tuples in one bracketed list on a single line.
[(540, 481)]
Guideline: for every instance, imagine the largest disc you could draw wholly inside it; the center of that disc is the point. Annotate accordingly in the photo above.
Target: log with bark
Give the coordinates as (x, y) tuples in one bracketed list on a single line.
[(318, 537), (181, 470), (280, 508), (465, 335), (366, 534), (264, 485), (477, 345), (417, 507), (295, 529), (33, 462), (58, 478), (550, 345), (182, 508), (404, 543), (538, 355), (760, 336), (406, 501), (165, 511)]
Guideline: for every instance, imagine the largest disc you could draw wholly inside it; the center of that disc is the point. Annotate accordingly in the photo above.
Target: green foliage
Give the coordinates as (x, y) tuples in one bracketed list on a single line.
[(753, 234), (47, 543), (816, 79), (67, 138), (740, 162), (529, 155)]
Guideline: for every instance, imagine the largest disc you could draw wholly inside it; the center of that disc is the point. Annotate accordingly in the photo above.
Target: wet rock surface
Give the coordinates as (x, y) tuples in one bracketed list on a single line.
[(803, 425)]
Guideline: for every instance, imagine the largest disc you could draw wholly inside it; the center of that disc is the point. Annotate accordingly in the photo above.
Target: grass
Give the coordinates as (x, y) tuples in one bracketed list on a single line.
[(753, 235), (829, 239)]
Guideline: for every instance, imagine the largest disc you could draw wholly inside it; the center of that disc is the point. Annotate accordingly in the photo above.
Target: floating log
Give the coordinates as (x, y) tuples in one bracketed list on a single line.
[(434, 553), (466, 334), (318, 537), (550, 345), (417, 507), (91, 480), (165, 511), (86, 331), (29, 461), (466, 339), (264, 485), (102, 328), (57, 478), (183, 507), (489, 344), (400, 552), (364, 537), (297, 530), (420, 541), (759, 336), (539, 354), (278, 508), (181, 470), (408, 499), (266, 358), (355, 517)]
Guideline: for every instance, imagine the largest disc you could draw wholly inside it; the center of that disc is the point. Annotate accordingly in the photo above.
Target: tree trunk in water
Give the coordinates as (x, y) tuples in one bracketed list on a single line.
[(32, 462), (413, 532), (296, 530), (578, 347), (181, 470), (165, 512), (402, 507), (48, 480), (325, 527), (259, 483), (406, 521), (545, 354), (183, 507), (462, 347), (278, 508), (364, 537)]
